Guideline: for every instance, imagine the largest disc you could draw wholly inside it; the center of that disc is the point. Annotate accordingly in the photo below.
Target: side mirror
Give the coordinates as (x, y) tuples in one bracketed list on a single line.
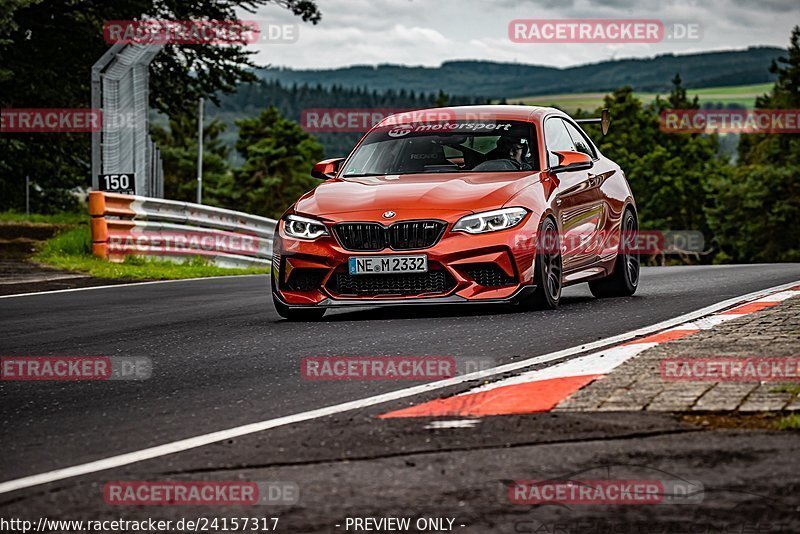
[(604, 121), (569, 161), (327, 169)]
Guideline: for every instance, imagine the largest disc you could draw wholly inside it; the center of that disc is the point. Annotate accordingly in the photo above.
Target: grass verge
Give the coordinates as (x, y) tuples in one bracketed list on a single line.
[(743, 421), (794, 389), (72, 250), (788, 422)]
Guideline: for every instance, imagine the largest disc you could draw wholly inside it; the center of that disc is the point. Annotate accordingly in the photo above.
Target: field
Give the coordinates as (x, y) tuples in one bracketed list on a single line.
[(742, 95)]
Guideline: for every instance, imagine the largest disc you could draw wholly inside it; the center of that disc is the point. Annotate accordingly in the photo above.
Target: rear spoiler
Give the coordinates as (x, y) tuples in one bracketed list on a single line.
[(604, 121)]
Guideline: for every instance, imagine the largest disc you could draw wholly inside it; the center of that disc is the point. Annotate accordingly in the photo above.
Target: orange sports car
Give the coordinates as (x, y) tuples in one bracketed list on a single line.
[(474, 204)]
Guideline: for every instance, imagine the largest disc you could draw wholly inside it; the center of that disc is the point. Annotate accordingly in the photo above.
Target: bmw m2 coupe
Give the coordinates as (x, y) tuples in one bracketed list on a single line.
[(474, 204)]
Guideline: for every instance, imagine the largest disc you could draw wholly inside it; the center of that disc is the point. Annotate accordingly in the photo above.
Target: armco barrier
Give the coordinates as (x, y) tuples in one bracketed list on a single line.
[(125, 225)]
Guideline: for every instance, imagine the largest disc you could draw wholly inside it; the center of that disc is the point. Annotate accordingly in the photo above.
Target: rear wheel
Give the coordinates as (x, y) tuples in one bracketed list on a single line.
[(547, 270), (625, 278), (297, 314)]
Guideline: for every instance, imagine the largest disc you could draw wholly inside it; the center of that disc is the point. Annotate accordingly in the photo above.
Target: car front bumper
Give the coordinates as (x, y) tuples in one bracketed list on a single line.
[(495, 267)]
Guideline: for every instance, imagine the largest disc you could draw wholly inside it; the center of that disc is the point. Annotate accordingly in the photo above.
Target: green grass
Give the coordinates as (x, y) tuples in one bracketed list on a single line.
[(74, 242), (72, 250), (789, 422), (744, 95), (37, 218), (794, 389)]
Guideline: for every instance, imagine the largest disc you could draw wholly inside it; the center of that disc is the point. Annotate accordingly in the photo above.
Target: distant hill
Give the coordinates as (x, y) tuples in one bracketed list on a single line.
[(488, 79), (251, 99)]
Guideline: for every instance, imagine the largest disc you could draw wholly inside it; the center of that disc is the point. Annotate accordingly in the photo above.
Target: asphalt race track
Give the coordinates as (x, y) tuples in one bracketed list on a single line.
[(222, 357)]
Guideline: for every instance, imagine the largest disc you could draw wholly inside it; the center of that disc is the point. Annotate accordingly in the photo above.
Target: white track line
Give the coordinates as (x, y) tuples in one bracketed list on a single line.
[(596, 363), (779, 297), (118, 286), (231, 433), (707, 323)]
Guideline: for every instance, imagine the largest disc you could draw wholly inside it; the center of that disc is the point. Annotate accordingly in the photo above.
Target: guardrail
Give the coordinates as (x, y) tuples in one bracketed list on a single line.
[(127, 225)]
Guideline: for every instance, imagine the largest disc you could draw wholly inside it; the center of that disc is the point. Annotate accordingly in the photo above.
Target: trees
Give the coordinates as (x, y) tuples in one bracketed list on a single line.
[(668, 172), (751, 212), (756, 213), (685, 163), (291, 100), (631, 141), (278, 158), (755, 216), (178, 146), (49, 47), (46, 53)]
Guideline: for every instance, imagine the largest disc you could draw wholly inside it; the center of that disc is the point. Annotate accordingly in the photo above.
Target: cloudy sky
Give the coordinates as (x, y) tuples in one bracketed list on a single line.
[(428, 32)]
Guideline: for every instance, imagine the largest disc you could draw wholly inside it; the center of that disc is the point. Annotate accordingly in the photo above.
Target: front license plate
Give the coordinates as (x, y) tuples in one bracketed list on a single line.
[(388, 264)]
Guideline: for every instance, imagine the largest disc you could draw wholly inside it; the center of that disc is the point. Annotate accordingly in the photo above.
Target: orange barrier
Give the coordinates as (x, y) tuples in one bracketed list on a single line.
[(125, 225), (100, 205)]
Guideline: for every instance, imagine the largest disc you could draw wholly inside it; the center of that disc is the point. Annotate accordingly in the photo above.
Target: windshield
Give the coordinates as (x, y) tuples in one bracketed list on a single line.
[(455, 146)]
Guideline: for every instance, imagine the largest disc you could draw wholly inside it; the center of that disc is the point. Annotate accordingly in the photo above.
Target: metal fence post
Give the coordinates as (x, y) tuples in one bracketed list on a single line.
[(200, 152), (97, 103), (120, 88)]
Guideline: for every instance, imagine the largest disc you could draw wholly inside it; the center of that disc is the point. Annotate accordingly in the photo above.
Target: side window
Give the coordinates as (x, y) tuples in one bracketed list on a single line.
[(556, 137), (582, 144)]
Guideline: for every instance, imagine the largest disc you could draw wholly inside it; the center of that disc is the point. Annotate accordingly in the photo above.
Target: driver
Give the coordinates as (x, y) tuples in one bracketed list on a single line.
[(511, 148)]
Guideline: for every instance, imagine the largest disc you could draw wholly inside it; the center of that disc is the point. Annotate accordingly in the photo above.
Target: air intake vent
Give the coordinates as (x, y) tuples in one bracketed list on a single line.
[(404, 235), (400, 284), (489, 275)]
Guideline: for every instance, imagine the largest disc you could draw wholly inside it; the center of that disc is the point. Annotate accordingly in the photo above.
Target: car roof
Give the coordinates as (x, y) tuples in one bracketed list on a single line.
[(493, 112)]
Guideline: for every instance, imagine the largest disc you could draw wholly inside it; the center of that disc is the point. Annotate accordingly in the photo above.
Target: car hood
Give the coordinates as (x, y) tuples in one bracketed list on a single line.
[(418, 192)]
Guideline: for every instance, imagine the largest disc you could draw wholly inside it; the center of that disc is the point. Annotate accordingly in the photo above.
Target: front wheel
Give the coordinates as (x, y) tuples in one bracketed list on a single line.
[(547, 270), (625, 278), (297, 314)]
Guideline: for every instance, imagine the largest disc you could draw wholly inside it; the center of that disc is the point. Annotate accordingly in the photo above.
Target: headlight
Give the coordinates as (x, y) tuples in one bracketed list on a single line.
[(302, 228), (490, 221)]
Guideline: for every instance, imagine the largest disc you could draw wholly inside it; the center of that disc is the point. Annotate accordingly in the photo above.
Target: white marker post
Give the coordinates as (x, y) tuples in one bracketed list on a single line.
[(200, 153)]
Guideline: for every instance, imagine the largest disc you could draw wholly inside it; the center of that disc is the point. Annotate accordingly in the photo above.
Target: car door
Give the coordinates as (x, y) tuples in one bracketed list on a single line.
[(577, 201), (597, 175)]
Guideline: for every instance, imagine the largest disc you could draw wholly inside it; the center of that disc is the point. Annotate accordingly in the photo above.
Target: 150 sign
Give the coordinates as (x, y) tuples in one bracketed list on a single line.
[(124, 183)]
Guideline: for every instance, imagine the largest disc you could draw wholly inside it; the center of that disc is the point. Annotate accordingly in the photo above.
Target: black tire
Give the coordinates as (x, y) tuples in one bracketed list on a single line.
[(624, 279), (547, 270), (297, 314)]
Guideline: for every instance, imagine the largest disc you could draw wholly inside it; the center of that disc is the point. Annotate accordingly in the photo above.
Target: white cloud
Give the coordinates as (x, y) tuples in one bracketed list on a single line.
[(428, 32)]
